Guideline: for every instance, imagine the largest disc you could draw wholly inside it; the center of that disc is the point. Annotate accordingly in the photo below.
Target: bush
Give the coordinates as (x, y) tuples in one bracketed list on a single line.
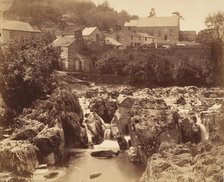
[(157, 67), (25, 71)]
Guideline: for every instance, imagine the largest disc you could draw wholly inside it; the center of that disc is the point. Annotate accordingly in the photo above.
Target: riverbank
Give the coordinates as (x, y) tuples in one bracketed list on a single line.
[(145, 114)]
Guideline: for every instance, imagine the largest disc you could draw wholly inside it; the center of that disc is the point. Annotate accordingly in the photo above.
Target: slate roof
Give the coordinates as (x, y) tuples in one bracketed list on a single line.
[(19, 26), (88, 31), (68, 30), (154, 22), (64, 41)]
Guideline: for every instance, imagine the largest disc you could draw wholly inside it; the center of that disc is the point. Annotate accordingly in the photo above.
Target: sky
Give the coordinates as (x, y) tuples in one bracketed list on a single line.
[(193, 11)]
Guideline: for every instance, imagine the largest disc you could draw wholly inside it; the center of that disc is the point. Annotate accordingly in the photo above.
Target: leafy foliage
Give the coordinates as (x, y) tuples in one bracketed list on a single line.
[(214, 36), (25, 71), (154, 67), (48, 13)]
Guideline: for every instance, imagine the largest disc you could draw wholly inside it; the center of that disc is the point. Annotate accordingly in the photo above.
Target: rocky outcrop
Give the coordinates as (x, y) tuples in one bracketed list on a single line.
[(28, 130), (50, 142), (18, 157), (42, 132), (105, 107), (95, 128), (151, 123), (61, 110), (181, 140), (183, 163)]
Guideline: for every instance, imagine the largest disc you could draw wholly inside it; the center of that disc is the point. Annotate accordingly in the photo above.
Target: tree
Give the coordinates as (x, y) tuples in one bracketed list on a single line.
[(215, 22), (25, 71), (215, 25)]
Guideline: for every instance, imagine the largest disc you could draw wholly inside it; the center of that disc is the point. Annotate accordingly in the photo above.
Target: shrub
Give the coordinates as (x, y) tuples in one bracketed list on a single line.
[(25, 71)]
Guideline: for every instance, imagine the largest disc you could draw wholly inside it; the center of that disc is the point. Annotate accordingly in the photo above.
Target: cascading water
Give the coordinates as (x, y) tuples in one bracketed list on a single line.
[(204, 132), (107, 134)]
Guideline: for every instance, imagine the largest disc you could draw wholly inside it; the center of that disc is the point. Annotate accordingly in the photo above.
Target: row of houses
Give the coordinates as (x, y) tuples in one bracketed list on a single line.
[(71, 38)]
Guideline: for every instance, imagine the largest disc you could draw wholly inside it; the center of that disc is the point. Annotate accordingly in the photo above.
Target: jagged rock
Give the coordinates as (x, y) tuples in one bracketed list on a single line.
[(133, 155), (62, 108), (123, 144), (213, 121), (92, 93), (95, 128), (181, 101), (185, 166), (29, 130), (147, 124), (10, 177), (50, 141), (122, 114), (17, 156), (104, 107), (127, 91), (114, 94)]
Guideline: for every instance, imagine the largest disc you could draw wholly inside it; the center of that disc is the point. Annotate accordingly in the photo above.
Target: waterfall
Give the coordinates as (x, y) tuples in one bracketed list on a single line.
[(89, 135), (107, 134), (204, 132)]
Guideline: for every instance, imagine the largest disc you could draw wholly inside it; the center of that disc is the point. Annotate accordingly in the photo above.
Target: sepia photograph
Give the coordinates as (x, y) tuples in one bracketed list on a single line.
[(111, 90)]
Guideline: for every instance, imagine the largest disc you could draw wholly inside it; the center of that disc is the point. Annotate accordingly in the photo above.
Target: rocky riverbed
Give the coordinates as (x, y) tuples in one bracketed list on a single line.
[(177, 132)]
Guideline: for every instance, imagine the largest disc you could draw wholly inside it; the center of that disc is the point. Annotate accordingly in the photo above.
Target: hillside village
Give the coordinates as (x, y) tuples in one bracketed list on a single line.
[(147, 32)]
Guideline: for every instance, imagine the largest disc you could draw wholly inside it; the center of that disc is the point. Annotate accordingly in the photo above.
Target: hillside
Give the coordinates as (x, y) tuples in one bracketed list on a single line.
[(48, 13)]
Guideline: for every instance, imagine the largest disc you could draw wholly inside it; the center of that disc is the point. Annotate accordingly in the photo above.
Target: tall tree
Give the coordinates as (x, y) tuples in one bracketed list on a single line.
[(215, 22), (215, 25)]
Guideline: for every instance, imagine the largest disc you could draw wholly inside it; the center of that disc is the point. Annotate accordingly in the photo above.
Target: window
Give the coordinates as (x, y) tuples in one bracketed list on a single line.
[(129, 28), (131, 37), (145, 38), (165, 37), (97, 37)]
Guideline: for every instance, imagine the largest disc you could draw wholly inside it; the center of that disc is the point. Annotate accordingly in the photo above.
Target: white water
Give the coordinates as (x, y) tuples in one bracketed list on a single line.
[(107, 134), (204, 132)]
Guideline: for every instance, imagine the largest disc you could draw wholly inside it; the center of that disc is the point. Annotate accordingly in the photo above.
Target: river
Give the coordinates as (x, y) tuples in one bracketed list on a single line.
[(82, 164)]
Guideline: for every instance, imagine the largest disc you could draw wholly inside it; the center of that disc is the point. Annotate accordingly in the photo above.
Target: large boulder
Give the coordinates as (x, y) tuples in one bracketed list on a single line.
[(50, 142), (214, 123), (95, 128), (183, 163), (150, 124), (105, 107), (28, 131), (62, 108), (18, 157)]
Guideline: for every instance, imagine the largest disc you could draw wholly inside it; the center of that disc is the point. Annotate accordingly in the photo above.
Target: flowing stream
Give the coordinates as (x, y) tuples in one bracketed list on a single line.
[(82, 164)]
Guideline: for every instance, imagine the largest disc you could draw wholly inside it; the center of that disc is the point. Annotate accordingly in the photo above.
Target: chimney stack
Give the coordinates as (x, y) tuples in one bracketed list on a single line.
[(78, 34)]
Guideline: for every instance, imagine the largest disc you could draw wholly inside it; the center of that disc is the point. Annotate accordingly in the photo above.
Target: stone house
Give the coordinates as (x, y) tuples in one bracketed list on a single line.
[(190, 36), (114, 43), (161, 28), (17, 30), (67, 29), (131, 38), (93, 34), (71, 60)]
